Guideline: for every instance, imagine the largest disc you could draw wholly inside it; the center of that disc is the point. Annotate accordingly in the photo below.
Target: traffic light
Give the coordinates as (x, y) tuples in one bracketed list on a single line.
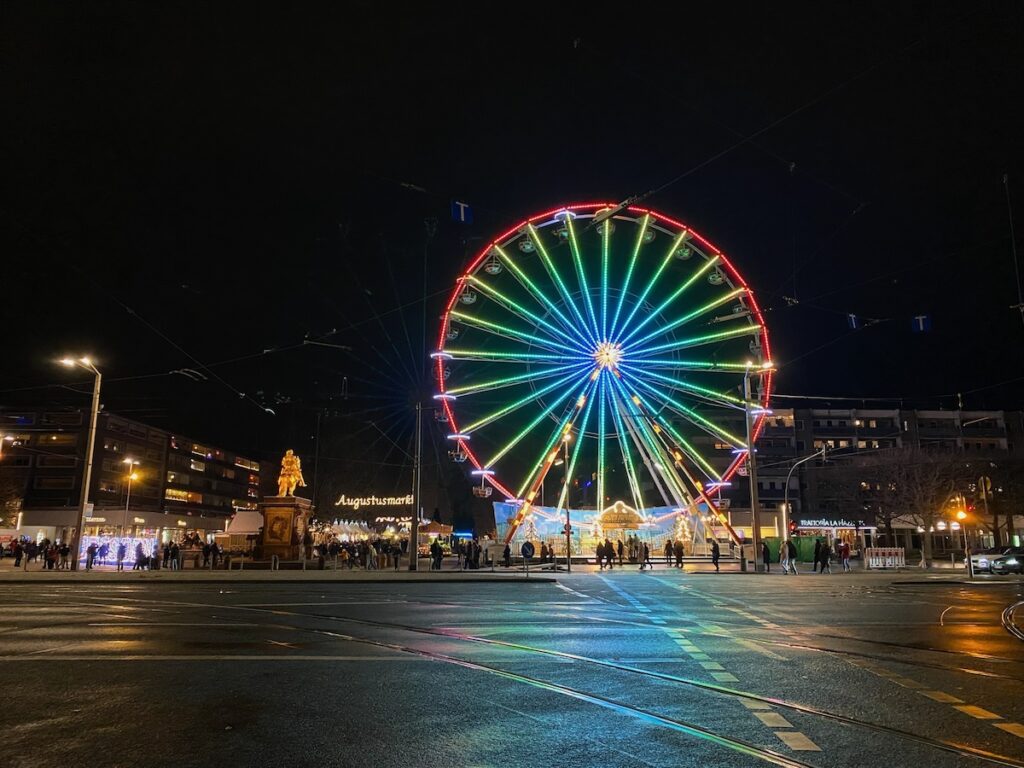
[(792, 526)]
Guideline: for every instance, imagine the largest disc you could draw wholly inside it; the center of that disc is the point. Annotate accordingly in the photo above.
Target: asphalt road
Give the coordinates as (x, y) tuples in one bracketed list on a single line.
[(600, 669)]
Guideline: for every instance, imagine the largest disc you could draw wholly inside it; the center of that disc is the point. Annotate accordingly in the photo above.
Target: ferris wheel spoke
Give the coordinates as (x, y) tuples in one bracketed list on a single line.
[(563, 497), (522, 313), (655, 278), (627, 458), (602, 433), (514, 334), (547, 458), (696, 341), (494, 356), (656, 457), (687, 413), (532, 425), (656, 312), (531, 287), (581, 274), (695, 366), (467, 390), (521, 403), (629, 272), (688, 317), (556, 278), (717, 397)]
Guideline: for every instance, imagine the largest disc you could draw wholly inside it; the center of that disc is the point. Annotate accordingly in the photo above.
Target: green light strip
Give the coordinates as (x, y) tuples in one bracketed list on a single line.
[(675, 295), (549, 266), (524, 314), (508, 381), (655, 277), (580, 273), (620, 427), (689, 450), (514, 333), (532, 288), (658, 453), (511, 408), (629, 272), (690, 316), (580, 431), (556, 438), (605, 238), (711, 394), (696, 341), (704, 366), (529, 427), (508, 357), (687, 413)]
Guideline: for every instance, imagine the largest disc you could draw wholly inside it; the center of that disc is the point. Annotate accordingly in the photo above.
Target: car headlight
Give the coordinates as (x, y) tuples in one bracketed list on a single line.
[(1010, 561), (983, 562)]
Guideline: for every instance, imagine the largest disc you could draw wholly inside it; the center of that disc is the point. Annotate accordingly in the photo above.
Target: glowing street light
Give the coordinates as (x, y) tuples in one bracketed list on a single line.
[(87, 364)]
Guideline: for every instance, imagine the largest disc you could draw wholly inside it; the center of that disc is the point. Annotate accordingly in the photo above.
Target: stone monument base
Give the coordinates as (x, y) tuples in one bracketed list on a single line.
[(285, 519)]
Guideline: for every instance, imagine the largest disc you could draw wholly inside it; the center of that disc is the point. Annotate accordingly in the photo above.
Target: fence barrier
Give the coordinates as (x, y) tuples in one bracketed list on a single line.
[(885, 557)]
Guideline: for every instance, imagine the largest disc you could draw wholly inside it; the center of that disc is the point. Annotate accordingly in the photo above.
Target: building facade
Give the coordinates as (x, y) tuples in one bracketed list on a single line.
[(146, 482)]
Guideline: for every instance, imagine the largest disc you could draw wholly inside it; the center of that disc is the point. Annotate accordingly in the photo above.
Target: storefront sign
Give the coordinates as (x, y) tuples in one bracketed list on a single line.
[(394, 519), (826, 522), (95, 519), (355, 502), (139, 519)]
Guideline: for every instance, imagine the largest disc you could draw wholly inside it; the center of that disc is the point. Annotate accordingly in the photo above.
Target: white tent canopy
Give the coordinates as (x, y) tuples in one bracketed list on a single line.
[(245, 522)]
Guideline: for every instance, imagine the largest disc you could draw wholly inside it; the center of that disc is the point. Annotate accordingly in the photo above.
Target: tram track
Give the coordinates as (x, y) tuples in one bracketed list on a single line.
[(943, 745), (1009, 622)]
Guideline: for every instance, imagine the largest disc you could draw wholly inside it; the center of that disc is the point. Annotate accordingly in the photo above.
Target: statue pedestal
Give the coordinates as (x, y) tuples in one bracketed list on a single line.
[(285, 519)]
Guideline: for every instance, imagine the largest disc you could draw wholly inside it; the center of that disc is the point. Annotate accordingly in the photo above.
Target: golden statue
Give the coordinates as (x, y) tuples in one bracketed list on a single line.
[(291, 474)]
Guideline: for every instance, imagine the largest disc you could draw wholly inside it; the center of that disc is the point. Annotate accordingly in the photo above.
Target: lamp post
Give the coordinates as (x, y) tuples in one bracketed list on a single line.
[(785, 503), (566, 439), (86, 363), (132, 463), (750, 410)]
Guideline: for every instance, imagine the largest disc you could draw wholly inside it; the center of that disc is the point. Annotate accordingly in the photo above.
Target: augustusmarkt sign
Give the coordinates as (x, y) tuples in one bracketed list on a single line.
[(355, 502)]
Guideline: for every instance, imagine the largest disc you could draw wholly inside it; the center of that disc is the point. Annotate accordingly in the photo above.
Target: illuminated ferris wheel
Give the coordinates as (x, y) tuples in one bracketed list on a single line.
[(611, 343)]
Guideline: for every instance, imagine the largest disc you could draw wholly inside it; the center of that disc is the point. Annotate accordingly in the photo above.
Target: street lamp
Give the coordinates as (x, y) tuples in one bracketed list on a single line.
[(750, 409), (132, 475), (566, 439), (87, 364), (785, 504)]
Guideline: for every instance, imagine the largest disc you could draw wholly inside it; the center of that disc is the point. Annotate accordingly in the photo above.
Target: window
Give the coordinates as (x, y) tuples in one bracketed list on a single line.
[(154, 454), (800, 445), (198, 466), (116, 425), (20, 419), (872, 424), (799, 423), (113, 465), (56, 461), (177, 477), (844, 443), (50, 439), (137, 430), (862, 443), (110, 486), (254, 479), (54, 483), (18, 461), (72, 419), (173, 494), (200, 450), (227, 474), (723, 447), (252, 466), (155, 437), (253, 493), (115, 446)]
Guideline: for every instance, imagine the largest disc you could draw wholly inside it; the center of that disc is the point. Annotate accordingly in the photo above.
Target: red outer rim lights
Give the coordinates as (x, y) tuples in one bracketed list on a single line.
[(737, 277)]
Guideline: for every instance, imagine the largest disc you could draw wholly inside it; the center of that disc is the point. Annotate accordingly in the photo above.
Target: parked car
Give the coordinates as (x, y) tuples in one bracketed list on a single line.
[(1009, 562), (982, 561)]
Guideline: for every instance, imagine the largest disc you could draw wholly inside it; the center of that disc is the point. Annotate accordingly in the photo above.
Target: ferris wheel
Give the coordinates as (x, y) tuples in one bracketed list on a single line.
[(606, 347)]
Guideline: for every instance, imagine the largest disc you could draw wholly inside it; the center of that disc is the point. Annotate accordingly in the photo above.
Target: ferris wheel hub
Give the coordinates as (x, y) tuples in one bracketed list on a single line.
[(608, 355)]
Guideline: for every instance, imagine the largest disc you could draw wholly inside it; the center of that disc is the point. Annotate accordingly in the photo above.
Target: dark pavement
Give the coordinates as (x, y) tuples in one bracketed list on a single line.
[(612, 669)]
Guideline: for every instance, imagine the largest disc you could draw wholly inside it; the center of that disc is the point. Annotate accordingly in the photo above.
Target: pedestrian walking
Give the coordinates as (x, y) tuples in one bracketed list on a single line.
[(826, 557), (122, 550), (90, 556), (817, 554), (668, 552), (716, 553), (679, 554), (791, 554), (609, 553), (620, 551), (844, 554), (599, 551), (766, 556), (65, 553), (645, 561), (506, 556)]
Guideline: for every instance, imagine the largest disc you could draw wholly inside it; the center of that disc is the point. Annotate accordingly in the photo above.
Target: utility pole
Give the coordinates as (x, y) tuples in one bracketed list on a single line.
[(755, 505), (566, 438), (417, 464)]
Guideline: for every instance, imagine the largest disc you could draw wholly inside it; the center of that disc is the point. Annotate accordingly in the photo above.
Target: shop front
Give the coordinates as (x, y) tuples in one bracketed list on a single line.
[(858, 532)]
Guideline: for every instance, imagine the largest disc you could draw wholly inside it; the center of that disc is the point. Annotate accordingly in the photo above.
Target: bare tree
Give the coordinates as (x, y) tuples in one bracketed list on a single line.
[(12, 491)]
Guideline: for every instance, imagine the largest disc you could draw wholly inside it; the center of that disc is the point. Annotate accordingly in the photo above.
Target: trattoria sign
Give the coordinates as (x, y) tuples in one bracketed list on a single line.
[(355, 502)]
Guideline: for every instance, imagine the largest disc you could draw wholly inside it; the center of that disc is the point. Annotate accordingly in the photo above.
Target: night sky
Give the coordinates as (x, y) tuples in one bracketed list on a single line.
[(207, 188)]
